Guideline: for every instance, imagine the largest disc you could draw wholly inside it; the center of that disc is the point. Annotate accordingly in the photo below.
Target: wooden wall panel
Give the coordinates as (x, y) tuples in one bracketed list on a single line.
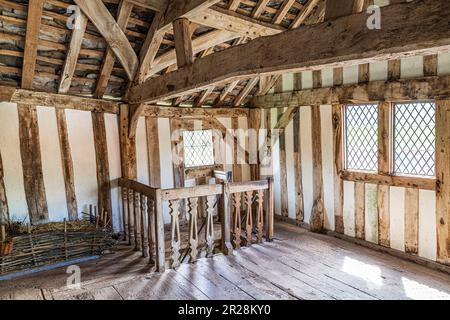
[(427, 224), (338, 159), (397, 218), (276, 164), (412, 221), (154, 166), (52, 167), (360, 207), (12, 162), (142, 167), (328, 164), (307, 160), (81, 140), (32, 164), (349, 208), (115, 170), (371, 213)]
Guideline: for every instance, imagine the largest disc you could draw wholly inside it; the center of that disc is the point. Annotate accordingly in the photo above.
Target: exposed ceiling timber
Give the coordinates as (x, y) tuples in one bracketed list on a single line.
[(293, 51)]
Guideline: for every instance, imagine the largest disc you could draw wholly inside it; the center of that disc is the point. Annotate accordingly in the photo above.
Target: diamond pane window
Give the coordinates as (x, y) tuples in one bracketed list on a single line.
[(198, 148), (414, 138), (361, 137)]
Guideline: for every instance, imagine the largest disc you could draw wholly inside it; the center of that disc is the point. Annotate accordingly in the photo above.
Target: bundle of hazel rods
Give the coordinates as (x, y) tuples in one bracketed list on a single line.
[(40, 249)]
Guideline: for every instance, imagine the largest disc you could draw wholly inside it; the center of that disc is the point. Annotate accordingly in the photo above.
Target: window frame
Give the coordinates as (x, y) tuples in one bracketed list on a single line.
[(344, 139), (385, 128), (208, 166), (392, 140)]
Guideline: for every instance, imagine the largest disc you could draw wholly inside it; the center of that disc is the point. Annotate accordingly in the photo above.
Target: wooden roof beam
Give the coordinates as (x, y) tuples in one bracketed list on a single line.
[(223, 19), (123, 16), (70, 63), (155, 5), (426, 88), (293, 51), (113, 34), (35, 9)]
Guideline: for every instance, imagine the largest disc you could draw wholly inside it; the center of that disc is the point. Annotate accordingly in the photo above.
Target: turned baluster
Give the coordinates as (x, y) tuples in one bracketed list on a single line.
[(174, 206), (193, 229), (210, 225), (237, 220), (125, 213), (249, 217), (144, 242), (151, 229), (137, 222), (131, 237), (259, 215)]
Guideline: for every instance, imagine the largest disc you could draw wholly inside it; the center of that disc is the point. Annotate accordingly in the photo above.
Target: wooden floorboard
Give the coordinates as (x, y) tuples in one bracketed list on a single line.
[(296, 265)]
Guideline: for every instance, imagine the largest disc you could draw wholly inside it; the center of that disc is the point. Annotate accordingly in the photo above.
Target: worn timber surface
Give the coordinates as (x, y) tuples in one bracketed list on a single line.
[(297, 265)]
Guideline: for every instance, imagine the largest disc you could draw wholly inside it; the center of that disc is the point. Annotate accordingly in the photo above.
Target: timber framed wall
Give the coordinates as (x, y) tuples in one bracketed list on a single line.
[(406, 219), (76, 158)]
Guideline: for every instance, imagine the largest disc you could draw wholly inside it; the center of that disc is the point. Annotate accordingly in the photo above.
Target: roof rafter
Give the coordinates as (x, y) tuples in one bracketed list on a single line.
[(124, 13), (70, 63), (113, 34), (35, 9)]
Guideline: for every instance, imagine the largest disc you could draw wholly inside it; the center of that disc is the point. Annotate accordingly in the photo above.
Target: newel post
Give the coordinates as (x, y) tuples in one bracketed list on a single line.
[(159, 233), (269, 210), (225, 213)]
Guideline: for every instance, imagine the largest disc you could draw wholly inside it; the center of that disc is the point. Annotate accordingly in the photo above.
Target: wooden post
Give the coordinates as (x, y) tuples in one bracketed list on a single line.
[(338, 166), (159, 229), (443, 180), (384, 156), (227, 248), (269, 211), (317, 219)]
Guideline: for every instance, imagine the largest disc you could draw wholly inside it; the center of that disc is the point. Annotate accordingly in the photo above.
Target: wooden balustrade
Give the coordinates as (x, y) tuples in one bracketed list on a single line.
[(143, 218)]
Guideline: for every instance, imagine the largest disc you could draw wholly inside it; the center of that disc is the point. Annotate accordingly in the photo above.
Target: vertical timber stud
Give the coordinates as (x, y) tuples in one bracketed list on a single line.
[(443, 182), (384, 156), (101, 156), (299, 205), (282, 145), (318, 211), (237, 167), (32, 166), (127, 146), (153, 152), (183, 42), (338, 148), (254, 124), (67, 164), (35, 8), (412, 220), (4, 212)]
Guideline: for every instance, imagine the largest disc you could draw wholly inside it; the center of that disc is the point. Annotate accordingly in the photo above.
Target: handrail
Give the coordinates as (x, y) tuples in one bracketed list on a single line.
[(137, 186), (139, 199)]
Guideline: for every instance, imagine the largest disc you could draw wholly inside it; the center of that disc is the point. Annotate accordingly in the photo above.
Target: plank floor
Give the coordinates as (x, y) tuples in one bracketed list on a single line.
[(297, 265)]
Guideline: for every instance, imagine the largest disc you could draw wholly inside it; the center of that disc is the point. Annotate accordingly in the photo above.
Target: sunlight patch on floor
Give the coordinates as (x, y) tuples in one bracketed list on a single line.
[(369, 273), (418, 291)]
